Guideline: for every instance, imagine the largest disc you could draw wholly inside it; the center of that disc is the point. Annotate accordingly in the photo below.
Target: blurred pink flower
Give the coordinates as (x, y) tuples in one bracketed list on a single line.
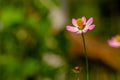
[(114, 41), (81, 25)]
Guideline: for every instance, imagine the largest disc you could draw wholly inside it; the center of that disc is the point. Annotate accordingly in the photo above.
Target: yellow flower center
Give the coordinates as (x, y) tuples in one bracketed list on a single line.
[(80, 23), (117, 38)]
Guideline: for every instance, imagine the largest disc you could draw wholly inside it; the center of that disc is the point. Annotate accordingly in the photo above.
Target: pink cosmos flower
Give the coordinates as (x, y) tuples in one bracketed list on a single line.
[(81, 25), (114, 41)]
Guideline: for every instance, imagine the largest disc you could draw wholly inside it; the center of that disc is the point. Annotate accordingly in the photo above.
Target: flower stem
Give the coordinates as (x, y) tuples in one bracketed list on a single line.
[(78, 76), (78, 79), (116, 75), (86, 57)]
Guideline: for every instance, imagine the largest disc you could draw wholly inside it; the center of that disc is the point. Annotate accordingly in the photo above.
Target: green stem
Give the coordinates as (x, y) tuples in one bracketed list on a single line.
[(78, 76), (78, 79), (116, 75), (86, 57)]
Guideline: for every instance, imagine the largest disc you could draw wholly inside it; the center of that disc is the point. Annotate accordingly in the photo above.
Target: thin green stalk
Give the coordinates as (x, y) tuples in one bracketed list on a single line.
[(116, 75), (86, 57), (78, 79), (78, 76)]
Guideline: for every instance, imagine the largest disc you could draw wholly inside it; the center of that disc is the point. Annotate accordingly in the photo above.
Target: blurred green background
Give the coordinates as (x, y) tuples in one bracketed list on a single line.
[(33, 41)]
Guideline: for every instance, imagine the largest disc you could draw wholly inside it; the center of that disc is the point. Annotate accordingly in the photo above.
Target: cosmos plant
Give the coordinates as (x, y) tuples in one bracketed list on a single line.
[(81, 26)]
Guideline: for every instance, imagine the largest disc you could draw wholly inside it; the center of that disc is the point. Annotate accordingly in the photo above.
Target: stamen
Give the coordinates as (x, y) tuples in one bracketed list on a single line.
[(80, 23)]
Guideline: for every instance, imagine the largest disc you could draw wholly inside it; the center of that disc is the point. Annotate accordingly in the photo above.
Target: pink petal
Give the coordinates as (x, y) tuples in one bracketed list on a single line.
[(74, 22), (84, 19), (91, 27), (72, 28), (89, 22), (87, 28), (79, 32), (113, 43)]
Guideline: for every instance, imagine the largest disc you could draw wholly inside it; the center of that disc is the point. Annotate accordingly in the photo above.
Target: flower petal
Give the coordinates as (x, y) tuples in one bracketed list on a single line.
[(91, 27), (89, 22), (79, 32), (87, 28), (84, 19), (113, 43), (74, 21), (72, 28)]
